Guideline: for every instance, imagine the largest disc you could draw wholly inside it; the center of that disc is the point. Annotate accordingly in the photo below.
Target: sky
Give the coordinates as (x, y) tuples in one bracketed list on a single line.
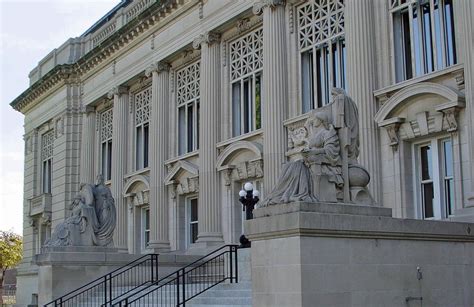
[(29, 30)]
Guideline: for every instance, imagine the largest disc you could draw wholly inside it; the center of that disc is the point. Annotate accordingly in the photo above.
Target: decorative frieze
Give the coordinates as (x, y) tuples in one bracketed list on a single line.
[(188, 185)]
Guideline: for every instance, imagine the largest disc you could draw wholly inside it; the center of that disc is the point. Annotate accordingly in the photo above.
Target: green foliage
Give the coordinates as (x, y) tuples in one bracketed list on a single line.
[(11, 251)]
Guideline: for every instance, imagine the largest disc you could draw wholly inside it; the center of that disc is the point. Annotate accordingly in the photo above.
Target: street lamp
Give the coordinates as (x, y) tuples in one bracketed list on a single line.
[(248, 197)]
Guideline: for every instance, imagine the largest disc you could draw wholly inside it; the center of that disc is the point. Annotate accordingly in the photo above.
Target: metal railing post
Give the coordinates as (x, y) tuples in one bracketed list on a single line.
[(156, 265), (231, 272), (105, 289), (184, 287), (236, 264), (177, 289), (152, 258)]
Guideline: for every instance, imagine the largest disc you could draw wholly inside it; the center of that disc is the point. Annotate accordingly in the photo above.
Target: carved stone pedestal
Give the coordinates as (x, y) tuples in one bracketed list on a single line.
[(321, 254)]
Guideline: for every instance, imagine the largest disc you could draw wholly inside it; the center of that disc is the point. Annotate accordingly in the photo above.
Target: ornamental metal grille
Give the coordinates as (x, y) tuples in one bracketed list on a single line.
[(106, 118), (47, 143), (246, 54), (188, 80), (142, 106), (188, 92), (320, 22)]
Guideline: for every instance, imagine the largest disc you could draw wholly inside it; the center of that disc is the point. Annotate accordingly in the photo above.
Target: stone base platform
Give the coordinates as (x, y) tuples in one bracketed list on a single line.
[(309, 254), (63, 269)]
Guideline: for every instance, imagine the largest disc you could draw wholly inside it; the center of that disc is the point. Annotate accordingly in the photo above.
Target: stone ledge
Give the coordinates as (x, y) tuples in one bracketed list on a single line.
[(295, 220), (325, 208)]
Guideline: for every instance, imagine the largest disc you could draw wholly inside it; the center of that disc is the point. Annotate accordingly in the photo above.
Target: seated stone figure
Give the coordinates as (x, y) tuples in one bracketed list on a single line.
[(317, 176), (324, 155), (92, 219)]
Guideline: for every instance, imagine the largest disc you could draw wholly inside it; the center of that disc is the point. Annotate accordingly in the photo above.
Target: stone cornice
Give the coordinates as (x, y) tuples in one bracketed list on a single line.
[(157, 67), (71, 73), (259, 5), (61, 74), (206, 38)]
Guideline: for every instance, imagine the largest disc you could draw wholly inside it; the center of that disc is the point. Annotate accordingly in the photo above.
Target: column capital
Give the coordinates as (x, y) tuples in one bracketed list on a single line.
[(259, 5), (87, 109), (117, 90), (157, 67), (206, 38)]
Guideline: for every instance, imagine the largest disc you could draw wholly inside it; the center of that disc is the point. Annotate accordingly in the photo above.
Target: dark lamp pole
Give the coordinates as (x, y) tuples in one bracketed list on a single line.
[(248, 197)]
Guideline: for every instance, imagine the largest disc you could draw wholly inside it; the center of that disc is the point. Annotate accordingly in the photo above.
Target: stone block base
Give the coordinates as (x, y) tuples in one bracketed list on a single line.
[(315, 255), (63, 269)]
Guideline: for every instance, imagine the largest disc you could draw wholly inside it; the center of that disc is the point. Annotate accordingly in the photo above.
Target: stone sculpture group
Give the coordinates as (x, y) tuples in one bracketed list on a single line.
[(323, 164), (92, 220)]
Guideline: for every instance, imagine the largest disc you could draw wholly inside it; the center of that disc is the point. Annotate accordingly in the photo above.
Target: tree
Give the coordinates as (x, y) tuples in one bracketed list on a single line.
[(11, 252)]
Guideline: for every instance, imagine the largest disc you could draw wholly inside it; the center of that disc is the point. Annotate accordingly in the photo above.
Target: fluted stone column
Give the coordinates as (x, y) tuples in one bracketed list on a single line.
[(119, 161), (209, 213), (87, 145), (362, 76), (275, 88), (467, 9), (159, 127)]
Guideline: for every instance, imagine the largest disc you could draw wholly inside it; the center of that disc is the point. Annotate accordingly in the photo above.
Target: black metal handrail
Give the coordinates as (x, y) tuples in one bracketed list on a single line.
[(115, 284), (188, 282)]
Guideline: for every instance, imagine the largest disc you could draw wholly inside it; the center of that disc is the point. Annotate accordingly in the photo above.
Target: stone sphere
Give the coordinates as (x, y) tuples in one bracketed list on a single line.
[(358, 176)]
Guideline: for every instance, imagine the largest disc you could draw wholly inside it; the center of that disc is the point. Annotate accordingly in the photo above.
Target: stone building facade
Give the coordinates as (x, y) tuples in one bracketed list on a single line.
[(178, 103)]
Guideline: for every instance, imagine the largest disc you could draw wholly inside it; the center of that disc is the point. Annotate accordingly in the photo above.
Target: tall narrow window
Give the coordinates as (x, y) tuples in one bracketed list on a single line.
[(447, 174), (193, 220), (423, 36), (47, 143), (188, 96), (145, 227), (246, 59), (435, 184), (142, 118), (106, 143), (427, 189), (322, 51)]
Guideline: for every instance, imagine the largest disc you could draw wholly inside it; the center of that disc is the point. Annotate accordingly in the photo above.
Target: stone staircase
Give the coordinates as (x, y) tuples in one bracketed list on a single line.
[(222, 295)]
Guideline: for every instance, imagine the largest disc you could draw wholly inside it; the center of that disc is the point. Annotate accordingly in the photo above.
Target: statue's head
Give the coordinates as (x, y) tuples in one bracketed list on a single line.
[(318, 119), (335, 91), (99, 180)]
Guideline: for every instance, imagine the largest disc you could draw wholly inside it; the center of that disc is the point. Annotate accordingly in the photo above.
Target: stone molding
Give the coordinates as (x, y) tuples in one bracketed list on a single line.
[(450, 111), (63, 74), (348, 221), (392, 127), (117, 90), (87, 110), (209, 38), (71, 73), (259, 5), (157, 67), (243, 171)]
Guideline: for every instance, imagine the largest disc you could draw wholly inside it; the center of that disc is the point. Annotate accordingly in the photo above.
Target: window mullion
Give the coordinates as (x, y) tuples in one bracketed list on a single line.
[(195, 121), (332, 73), (412, 44), (315, 80), (444, 41), (242, 107), (437, 204), (433, 36)]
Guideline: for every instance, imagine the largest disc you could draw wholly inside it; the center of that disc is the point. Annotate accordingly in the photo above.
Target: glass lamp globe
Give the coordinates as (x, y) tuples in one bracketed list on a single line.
[(256, 193), (248, 186), (242, 193)]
